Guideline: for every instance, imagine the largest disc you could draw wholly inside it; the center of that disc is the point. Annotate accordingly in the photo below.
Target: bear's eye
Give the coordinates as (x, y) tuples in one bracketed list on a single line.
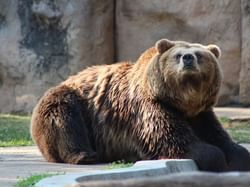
[(178, 56), (198, 56)]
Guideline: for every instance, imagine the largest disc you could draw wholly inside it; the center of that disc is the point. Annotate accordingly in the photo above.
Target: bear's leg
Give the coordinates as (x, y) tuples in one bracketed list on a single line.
[(207, 127), (60, 130), (74, 146), (207, 157)]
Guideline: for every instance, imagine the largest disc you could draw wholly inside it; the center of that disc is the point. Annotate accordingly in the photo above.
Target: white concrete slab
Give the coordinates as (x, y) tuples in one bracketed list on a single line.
[(138, 170)]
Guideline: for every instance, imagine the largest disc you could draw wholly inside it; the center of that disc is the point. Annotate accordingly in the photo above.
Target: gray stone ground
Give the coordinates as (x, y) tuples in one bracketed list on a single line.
[(21, 162), (25, 161), (233, 113)]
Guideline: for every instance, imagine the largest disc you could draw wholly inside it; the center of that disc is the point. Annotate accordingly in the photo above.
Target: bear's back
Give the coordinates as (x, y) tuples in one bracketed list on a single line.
[(95, 77)]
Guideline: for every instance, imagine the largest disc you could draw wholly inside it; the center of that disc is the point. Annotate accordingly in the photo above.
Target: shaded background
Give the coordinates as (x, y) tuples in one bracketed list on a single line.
[(42, 42)]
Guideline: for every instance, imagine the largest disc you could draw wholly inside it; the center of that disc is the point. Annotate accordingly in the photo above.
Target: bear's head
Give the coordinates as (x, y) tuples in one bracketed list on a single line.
[(185, 75)]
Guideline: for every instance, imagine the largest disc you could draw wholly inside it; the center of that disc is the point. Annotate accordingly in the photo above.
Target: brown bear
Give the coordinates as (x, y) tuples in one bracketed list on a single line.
[(159, 107)]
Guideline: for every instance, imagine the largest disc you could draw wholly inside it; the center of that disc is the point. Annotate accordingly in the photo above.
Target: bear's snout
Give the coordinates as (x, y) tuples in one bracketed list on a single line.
[(188, 60)]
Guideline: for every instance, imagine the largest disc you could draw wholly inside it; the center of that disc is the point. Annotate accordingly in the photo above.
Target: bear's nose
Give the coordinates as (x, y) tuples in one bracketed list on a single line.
[(188, 59)]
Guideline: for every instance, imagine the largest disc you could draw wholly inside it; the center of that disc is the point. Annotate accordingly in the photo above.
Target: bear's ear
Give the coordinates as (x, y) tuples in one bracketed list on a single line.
[(215, 50), (163, 45)]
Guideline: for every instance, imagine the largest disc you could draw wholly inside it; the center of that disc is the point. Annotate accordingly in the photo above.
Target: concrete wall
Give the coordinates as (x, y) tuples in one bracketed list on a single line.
[(45, 41)]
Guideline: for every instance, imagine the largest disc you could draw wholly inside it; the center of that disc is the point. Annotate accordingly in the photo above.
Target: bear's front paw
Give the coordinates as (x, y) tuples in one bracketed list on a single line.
[(238, 159)]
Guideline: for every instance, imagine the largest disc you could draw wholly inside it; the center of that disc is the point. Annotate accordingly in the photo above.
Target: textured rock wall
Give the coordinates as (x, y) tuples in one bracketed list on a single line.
[(141, 23), (45, 41), (245, 62)]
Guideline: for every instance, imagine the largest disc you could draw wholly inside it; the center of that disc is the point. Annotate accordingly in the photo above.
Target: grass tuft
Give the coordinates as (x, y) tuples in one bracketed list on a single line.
[(33, 179), (14, 130), (119, 164)]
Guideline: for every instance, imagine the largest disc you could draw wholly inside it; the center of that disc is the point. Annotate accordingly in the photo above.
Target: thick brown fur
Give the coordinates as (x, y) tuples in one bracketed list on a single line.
[(150, 109)]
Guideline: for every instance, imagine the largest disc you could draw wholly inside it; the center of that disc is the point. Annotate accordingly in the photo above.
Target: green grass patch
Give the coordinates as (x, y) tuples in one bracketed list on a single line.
[(224, 120), (33, 179), (14, 130), (239, 132), (119, 164)]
